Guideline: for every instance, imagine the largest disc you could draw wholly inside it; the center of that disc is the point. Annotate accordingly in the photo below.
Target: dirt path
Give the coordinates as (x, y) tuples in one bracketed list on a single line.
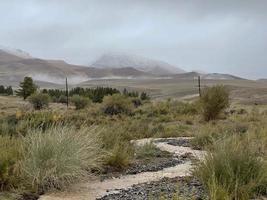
[(94, 188)]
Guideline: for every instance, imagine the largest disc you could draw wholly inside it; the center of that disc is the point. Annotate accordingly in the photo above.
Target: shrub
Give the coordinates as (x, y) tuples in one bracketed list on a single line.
[(62, 99), (9, 156), (208, 134), (234, 170), (80, 102), (120, 155), (214, 100), (144, 96), (39, 100), (59, 156), (136, 102), (117, 104), (150, 150)]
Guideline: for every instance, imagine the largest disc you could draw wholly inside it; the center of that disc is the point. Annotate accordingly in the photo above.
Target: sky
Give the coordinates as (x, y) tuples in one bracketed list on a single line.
[(224, 36)]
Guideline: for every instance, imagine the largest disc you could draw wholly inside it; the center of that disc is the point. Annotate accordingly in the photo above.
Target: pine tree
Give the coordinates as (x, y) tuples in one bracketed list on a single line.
[(144, 96), (9, 91), (27, 88), (2, 89)]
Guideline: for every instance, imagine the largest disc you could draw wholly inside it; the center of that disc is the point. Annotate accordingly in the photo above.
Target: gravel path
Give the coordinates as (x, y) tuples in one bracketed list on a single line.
[(169, 188), (95, 188)]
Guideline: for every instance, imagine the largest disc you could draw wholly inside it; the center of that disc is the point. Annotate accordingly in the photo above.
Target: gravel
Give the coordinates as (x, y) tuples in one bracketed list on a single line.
[(180, 142), (154, 165), (169, 188)]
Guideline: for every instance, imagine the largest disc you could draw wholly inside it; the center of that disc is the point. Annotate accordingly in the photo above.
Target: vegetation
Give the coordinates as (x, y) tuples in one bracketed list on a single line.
[(214, 100), (117, 104), (80, 102), (39, 100), (27, 88), (149, 150), (234, 170), (9, 157), (95, 94), (144, 96), (51, 148), (59, 156), (6, 90)]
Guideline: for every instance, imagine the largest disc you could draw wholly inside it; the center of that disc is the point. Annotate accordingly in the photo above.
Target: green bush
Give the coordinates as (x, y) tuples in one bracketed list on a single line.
[(116, 141), (39, 100), (234, 170), (209, 133), (62, 99), (150, 151), (214, 100), (120, 155), (144, 96), (117, 104), (80, 102), (59, 156)]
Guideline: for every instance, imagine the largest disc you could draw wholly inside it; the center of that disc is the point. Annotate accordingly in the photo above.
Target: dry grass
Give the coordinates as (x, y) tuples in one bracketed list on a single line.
[(59, 156)]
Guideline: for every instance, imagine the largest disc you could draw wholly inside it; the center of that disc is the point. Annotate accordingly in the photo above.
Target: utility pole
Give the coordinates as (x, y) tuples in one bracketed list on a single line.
[(199, 86), (67, 92)]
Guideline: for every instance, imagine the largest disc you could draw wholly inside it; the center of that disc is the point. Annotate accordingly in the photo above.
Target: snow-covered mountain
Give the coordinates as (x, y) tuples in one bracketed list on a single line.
[(151, 66), (16, 52)]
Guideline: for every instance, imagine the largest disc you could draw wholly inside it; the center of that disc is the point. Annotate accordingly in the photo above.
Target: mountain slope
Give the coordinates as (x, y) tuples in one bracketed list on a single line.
[(218, 76), (16, 52), (13, 69), (140, 63)]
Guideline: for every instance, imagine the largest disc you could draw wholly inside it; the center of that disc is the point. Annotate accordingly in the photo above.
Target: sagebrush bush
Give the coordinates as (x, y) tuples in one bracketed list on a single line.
[(39, 100), (80, 102), (59, 156), (117, 104), (206, 135), (233, 170), (120, 155), (10, 149), (149, 150), (214, 100), (62, 99)]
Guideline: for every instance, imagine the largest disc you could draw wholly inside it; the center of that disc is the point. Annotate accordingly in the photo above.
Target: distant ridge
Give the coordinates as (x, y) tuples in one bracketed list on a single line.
[(15, 66), (218, 76), (140, 63)]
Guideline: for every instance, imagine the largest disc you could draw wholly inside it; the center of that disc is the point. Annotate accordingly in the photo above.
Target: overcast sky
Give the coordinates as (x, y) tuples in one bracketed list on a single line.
[(228, 36)]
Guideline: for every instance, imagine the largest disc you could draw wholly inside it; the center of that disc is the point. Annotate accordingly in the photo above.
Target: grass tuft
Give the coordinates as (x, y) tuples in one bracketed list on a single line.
[(59, 156)]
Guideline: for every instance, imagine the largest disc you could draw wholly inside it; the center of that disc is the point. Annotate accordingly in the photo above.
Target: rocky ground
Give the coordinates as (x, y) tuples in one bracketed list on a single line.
[(182, 142), (154, 165), (166, 188), (166, 176)]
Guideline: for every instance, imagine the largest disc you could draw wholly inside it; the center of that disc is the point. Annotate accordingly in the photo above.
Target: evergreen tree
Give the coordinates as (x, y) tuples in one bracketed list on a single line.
[(9, 90), (27, 88), (2, 89), (144, 96)]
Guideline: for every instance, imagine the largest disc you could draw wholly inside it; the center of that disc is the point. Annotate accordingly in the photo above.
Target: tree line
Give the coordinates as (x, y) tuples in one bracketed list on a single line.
[(6, 90), (27, 88)]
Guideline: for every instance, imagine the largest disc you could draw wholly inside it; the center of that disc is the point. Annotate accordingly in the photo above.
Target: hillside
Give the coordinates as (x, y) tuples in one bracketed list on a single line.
[(14, 68), (218, 76), (15, 65), (154, 67)]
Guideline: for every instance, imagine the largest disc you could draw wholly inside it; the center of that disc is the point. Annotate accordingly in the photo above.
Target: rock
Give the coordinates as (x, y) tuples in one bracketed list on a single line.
[(166, 187)]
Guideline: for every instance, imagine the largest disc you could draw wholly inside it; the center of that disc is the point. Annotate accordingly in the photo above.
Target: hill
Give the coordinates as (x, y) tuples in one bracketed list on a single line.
[(147, 65), (14, 68), (15, 65)]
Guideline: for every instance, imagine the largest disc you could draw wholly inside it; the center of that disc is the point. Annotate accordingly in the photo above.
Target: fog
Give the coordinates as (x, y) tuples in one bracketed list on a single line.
[(207, 35)]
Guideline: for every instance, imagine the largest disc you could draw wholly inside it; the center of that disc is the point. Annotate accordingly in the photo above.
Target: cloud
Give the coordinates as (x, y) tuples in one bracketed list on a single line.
[(211, 35)]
